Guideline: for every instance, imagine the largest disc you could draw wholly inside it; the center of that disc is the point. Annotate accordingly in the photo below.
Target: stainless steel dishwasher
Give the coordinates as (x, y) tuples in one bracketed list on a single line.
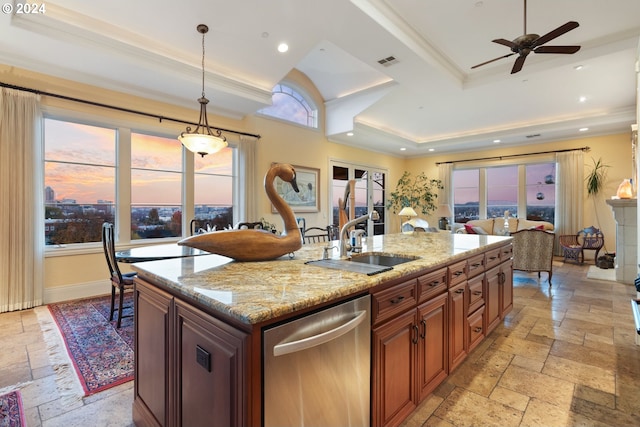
[(317, 368)]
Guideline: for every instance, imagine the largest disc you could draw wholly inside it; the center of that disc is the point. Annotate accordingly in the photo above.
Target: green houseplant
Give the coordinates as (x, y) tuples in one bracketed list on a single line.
[(596, 177), (419, 192)]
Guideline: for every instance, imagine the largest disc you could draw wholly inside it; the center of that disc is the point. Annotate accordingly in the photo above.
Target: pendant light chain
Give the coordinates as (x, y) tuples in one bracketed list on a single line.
[(203, 65)]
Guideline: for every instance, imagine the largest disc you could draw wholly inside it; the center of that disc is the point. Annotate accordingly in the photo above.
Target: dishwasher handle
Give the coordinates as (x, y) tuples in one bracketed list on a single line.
[(312, 341)]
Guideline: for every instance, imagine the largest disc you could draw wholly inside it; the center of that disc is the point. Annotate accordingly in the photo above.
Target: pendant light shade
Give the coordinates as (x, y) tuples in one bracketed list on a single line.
[(203, 140)]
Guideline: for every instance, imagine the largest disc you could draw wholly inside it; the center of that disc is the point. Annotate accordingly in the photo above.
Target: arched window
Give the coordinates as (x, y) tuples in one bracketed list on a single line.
[(292, 105)]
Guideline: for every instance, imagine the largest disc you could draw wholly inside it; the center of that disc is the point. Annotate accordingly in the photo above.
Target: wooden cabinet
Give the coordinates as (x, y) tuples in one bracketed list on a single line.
[(410, 351), (499, 294), (457, 327), (394, 369), (210, 375), (189, 366), (433, 361), (154, 313)]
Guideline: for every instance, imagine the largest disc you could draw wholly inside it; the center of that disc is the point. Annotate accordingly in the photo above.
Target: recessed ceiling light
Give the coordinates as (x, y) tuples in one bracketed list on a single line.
[(582, 99), (283, 47), (578, 67), (349, 133), (583, 129), (403, 149), (432, 149), (496, 141)]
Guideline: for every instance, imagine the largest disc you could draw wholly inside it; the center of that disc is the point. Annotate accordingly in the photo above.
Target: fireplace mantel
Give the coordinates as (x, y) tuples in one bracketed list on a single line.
[(625, 212)]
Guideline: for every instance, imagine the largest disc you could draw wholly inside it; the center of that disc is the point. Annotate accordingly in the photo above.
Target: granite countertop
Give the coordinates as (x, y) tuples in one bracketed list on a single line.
[(254, 292)]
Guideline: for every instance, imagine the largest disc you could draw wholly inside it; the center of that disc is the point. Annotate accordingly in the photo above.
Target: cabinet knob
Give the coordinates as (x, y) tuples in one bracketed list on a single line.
[(477, 292), (434, 283), (415, 339), (424, 328), (459, 291), (477, 329)]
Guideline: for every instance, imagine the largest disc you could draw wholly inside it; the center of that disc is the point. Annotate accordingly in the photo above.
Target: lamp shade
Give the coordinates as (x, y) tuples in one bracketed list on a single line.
[(624, 190), (443, 211), (201, 143), (407, 211)]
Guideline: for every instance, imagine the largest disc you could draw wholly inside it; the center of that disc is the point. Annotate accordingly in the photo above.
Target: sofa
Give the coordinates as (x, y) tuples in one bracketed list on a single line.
[(495, 226)]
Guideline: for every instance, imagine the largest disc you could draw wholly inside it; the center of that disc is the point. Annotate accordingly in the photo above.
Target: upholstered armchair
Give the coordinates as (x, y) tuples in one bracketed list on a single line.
[(533, 251)]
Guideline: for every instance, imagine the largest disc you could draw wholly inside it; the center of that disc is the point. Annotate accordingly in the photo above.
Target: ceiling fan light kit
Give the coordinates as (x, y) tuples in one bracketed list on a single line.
[(527, 43)]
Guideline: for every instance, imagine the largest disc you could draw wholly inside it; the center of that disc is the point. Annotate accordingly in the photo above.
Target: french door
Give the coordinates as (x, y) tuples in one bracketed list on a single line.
[(368, 194)]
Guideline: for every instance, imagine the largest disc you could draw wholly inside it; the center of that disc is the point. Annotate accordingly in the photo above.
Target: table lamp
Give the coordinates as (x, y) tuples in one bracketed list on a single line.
[(407, 212), (444, 213)]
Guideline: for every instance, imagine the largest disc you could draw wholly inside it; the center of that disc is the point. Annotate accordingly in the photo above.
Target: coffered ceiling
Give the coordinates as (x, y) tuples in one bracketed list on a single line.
[(425, 99)]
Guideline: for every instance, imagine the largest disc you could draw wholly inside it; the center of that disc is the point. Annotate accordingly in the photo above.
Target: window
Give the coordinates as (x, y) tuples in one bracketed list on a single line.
[(292, 105), (502, 191), (214, 182), (526, 191), (82, 189), (80, 184), (156, 187), (466, 194), (541, 192)]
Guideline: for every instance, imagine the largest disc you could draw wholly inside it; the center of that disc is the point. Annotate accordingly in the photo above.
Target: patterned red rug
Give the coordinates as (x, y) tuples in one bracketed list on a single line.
[(11, 412), (101, 354)]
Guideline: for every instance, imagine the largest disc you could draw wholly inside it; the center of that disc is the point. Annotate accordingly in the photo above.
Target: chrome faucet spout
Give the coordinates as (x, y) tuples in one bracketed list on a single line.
[(344, 246)]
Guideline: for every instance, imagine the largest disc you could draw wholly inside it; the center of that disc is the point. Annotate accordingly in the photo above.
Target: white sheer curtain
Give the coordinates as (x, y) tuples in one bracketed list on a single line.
[(247, 206), (444, 175), (569, 193), (21, 201)]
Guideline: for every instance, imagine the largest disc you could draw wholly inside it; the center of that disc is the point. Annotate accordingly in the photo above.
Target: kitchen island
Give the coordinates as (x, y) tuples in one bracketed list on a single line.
[(199, 322)]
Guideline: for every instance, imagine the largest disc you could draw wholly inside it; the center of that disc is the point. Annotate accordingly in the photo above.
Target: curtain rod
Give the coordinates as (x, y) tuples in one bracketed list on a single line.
[(585, 149), (122, 109)]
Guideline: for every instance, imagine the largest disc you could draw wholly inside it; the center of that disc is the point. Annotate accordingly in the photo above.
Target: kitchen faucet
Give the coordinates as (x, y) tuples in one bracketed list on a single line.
[(373, 215)]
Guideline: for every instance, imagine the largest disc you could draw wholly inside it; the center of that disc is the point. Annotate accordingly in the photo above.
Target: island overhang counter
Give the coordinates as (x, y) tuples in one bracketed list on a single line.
[(191, 303)]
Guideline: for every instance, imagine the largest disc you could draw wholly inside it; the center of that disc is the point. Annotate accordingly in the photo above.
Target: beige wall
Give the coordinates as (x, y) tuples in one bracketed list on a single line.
[(80, 274)]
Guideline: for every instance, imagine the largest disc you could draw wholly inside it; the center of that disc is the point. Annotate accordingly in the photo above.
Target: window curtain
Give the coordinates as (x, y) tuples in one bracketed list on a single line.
[(444, 175), (247, 204), (569, 193), (21, 201)]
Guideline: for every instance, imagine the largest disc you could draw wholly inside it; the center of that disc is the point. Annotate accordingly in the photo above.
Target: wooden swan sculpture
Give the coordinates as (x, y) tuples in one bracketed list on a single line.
[(257, 245)]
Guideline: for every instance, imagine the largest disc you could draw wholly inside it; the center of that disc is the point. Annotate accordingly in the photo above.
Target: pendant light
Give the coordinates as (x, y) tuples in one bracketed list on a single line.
[(203, 141)]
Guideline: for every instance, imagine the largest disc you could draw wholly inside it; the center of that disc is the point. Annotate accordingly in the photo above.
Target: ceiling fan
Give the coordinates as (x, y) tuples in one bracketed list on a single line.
[(524, 45)]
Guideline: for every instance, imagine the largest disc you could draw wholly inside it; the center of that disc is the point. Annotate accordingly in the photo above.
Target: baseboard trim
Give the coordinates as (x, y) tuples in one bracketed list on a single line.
[(78, 290)]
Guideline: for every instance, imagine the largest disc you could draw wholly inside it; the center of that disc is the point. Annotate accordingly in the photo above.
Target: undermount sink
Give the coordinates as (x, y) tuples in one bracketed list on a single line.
[(382, 259)]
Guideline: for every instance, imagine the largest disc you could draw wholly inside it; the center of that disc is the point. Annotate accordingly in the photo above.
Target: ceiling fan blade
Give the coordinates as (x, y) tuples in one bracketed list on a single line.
[(557, 49), (492, 60), (505, 42), (517, 66), (555, 33)]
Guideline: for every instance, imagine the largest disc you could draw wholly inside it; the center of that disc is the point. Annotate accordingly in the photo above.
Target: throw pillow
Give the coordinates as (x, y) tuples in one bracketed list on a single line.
[(469, 229), (479, 230)]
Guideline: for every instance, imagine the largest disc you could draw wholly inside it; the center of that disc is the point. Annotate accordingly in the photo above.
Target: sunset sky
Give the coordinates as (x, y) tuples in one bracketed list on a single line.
[(76, 143), (156, 162)]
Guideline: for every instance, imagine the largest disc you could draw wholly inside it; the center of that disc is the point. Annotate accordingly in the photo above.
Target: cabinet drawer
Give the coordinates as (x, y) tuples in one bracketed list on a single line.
[(492, 258), (476, 294), (476, 265), (457, 273), (398, 298), (506, 252), (475, 331), (432, 284)]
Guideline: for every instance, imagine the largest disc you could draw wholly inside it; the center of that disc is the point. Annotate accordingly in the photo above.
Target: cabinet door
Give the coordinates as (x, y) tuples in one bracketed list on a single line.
[(507, 288), (457, 329), (493, 306), (433, 351), (153, 313), (210, 378), (394, 354)]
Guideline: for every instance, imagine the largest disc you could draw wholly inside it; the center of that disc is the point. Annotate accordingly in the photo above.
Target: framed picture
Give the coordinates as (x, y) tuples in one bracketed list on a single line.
[(308, 199)]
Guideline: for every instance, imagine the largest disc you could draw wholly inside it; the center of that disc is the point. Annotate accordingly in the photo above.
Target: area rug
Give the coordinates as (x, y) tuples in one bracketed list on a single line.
[(11, 412), (101, 354), (606, 274)]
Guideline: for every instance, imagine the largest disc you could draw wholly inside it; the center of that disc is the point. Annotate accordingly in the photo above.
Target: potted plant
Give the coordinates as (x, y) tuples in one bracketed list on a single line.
[(419, 192), (596, 177)]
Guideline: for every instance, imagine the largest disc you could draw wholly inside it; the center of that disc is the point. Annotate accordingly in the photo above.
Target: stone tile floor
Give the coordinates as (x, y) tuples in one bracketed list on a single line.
[(564, 356)]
